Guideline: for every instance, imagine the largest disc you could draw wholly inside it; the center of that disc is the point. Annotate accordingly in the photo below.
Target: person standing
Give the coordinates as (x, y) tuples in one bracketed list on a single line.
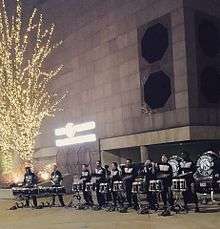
[(149, 173), (30, 181), (128, 176), (86, 177), (165, 174), (114, 176), (187, 169), (100, 177), (56, 180)]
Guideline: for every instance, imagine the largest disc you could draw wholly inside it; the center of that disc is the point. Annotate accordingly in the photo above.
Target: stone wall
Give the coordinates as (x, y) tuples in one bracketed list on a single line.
[(102, 68)]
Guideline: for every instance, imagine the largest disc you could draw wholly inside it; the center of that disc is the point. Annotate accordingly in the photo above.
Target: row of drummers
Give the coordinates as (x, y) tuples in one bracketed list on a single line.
[(165, 177), (132, 180)]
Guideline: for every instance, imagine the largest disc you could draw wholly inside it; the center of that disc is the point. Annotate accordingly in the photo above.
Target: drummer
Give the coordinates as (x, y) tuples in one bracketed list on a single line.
[(100, 177), (128, 176), (86, 177), (165, 174), (148, 172), (30, 181), (114, 176), (56, 180), (187, 169)]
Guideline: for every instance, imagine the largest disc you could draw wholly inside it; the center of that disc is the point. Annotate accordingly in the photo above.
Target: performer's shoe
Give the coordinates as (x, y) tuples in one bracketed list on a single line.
[(166, 213), (197, 209), (186, 209), (152, 207), (111, 209), (123, 210), (97, 208)]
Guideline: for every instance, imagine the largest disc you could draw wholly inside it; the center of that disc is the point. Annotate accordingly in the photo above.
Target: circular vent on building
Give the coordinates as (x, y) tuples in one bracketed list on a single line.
[(157, 90), (209, 38), (210, 83), (154, 43)]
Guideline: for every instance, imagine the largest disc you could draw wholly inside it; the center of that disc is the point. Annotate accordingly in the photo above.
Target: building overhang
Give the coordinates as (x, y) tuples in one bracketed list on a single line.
[(186, 133)]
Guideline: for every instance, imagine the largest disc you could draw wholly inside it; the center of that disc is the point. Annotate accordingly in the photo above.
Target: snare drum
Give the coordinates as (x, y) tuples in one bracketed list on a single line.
[(138, 187), (118, 186), (44, 191), (58, 190), (77, 187), (25, 191), (156, 186), (178, 185), (20, 191), (104, 188), (90, 187)]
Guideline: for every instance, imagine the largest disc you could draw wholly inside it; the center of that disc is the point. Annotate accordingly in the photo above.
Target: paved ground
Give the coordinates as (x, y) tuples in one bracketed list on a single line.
[(67, 218)]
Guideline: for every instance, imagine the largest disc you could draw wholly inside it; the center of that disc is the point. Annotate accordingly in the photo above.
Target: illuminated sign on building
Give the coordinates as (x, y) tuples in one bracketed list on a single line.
[(71, 131)]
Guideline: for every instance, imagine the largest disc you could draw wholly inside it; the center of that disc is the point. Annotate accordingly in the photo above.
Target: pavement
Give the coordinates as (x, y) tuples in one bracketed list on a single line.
[(70, 218)]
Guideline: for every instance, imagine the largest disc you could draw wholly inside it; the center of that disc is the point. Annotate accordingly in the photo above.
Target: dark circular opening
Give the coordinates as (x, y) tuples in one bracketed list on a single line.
[(209, 38), (154, 43), (210, 84), (157, 90)]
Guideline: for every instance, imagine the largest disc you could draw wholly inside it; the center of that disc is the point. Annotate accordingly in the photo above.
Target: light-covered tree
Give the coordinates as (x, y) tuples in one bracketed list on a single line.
[(25, 101)]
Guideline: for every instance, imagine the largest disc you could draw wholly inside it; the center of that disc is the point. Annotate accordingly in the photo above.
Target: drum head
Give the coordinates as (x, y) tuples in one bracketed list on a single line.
[(174, 161), (205, 164)]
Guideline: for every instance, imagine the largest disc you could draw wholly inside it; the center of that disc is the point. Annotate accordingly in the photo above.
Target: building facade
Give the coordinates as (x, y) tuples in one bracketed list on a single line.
[(146, 71)]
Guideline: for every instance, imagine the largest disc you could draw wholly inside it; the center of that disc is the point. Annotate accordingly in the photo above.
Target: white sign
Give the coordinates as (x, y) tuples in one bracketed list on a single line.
[(70, 130)]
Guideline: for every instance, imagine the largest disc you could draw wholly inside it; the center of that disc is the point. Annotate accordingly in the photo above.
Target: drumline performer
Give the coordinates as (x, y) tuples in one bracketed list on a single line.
[(128, 176), (86, 177), (56, 180), (165, 174), (187, 169), (149, 173), (99, 175), (107, 180), (114, 176), (30, 181)]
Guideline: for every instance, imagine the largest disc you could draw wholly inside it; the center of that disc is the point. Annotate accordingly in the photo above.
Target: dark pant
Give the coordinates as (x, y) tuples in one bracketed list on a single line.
[(152, 199), (190, 193), (88, 197), (167, 195), (34, 198), (129, 195), (100, 196), (60, 197), (115, 198)]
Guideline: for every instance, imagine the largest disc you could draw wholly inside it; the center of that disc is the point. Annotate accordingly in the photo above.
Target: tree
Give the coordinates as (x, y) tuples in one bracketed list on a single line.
[(25, 100)]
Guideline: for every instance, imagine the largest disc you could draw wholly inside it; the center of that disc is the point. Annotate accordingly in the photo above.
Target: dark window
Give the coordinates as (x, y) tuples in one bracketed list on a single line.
[(210, 84), (157, 90), (209, 38), (154, 43)]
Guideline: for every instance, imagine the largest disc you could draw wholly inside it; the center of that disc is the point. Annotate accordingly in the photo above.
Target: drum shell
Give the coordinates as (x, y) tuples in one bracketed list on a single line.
[(204, 185), (156, 186), (138, 187), (104, 187), (118, 186), (58, 190), (25, 191), (179, 185), (89, 187), (77, 187)]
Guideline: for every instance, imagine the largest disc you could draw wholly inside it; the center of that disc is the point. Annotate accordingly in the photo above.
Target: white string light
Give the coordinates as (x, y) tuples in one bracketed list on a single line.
[(24, 97)]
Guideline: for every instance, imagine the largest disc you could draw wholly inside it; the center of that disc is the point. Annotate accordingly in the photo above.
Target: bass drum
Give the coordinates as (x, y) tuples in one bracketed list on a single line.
[(205, 175), (174, 161), (207, 164)]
